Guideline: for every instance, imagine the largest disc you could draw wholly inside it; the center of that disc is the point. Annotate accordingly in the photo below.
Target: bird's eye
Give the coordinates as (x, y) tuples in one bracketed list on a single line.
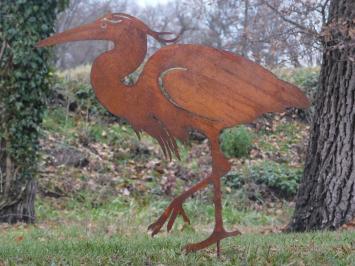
[(103, 25)]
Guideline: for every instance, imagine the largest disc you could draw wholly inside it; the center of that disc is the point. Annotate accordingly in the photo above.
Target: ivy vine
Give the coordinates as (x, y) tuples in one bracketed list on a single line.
[(24, 81)]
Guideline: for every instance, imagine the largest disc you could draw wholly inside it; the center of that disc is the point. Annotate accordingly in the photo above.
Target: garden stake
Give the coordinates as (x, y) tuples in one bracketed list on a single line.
[(182, 87)]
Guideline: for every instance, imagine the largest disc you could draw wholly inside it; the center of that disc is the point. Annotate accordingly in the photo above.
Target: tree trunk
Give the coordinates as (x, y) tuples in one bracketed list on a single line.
[(21, 208), (24, 87), (326, 196), (16, 196)]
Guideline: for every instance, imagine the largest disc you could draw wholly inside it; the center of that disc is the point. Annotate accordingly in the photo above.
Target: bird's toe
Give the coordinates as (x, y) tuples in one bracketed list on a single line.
[(177, 211), (154, 228), (190, 248)]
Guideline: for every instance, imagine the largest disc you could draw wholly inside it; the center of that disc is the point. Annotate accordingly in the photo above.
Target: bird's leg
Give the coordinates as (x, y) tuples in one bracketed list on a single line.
[(219, 232), (175, 208), (220, 167)]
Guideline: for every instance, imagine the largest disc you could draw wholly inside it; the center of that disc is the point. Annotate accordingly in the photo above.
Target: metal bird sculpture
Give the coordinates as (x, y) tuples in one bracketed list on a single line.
[(182, 87)]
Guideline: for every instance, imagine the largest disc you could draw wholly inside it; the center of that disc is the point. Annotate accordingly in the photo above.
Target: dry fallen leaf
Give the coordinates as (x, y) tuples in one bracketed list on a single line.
[(349, 226), (19, 239)]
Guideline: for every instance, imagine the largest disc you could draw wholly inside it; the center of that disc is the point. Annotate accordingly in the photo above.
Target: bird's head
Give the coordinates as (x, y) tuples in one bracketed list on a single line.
[(109, 27)]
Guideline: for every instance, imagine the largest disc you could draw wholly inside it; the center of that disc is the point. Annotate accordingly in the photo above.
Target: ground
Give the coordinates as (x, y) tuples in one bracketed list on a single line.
[(116, 235)]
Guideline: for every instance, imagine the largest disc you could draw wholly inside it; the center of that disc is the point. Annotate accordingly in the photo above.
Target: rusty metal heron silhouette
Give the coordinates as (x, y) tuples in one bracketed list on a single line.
[(182, 86)]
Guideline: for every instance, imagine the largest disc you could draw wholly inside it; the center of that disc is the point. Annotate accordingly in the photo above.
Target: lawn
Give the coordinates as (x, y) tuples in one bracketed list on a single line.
[(116, 234), (74, 246)]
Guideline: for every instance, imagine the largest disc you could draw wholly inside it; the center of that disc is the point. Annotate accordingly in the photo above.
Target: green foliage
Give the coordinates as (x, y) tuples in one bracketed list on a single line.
[(84, 95), (24, 78), (67, 91), (280, 177), (235, 179), (59, 121), (236, 142), (75, 84), (307, 79), (114, 135)]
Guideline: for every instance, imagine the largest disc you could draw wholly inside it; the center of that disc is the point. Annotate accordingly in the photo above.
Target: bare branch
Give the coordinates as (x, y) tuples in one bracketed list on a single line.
[(324, 6), (292, 22)]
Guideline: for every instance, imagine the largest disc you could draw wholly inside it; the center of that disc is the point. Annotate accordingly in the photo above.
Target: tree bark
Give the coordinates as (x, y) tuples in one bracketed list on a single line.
[(16, 196), (326, 196), (21, 209)]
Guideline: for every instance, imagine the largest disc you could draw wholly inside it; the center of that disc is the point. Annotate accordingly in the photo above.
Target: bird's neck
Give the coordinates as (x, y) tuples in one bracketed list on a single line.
[(110, 68)]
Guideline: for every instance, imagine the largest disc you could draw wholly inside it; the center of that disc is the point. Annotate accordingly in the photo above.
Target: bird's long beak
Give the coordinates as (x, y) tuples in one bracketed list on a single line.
[(91, 31)]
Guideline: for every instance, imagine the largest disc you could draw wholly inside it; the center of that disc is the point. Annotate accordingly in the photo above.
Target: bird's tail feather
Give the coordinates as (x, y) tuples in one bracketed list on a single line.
[(294, 97)]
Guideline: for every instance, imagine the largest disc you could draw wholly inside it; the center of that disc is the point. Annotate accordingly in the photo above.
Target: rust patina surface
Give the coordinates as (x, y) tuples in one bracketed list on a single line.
[(182, 86)]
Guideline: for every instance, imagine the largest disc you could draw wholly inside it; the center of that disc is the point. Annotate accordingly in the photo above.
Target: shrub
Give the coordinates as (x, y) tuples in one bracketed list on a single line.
[(305, 78), (281, 178), (235, 180), (260, 178), (236, 142)]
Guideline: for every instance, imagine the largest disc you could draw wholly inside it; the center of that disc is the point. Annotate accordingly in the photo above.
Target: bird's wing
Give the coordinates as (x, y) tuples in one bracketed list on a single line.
[(221, 86)]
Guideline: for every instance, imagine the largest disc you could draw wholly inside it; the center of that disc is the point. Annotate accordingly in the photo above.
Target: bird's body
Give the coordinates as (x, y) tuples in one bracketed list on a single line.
[(184, 87), (181, 87)]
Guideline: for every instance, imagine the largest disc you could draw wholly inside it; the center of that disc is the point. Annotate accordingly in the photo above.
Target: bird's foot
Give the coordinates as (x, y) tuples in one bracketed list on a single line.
[(173, 210), (215, 237)]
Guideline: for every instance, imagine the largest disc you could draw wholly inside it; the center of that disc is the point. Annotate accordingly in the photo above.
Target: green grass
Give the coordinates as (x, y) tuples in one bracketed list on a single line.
[(60, 121), (143, 211), (73, 232), (65, 245)]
